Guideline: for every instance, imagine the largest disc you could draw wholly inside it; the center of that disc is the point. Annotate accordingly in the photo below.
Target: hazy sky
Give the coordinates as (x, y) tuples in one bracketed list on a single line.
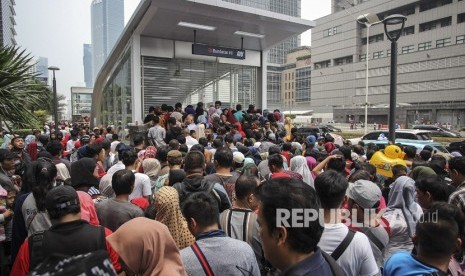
[(57, 29)]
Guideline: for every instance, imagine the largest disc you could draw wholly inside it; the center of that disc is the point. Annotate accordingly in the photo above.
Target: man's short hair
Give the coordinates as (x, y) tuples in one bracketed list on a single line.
[(287, 146), (398, 169), (194, 161), (458, 164), (276, 160), (217, 102), (245, 185), (151, 109), (410, 151), (138, 139), (438, 230), (291, 194), (174, 144), (337, 164), (93, 150), (217, 143), (198, 147), (228, 138), (114, 137), (238, 107), (162, 154), (435, 185), (178, 105), (203, 141), (425, 155), (331, 188), (201, 207), (156, 120), (224, 157), (129, 157), (274, 150), (54, 147), (122, 182)]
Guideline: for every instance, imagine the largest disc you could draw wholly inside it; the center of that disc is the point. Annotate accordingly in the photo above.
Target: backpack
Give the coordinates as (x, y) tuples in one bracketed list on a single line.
[(36, 254), (209, 190), (92, 263)]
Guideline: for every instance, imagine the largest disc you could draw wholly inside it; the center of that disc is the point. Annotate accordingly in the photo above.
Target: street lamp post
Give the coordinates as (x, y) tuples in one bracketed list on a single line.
[(393, 36), (368, 20), (55, 98)]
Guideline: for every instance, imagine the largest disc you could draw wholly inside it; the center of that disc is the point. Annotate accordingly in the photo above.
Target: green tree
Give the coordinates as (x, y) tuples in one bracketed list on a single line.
[(20, 93)]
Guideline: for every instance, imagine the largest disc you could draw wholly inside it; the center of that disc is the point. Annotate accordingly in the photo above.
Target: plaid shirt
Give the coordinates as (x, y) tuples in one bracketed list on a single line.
[(457, 198)]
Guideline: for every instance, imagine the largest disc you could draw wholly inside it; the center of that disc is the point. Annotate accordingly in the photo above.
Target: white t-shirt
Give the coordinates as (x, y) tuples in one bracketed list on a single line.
[(70, 145), (358, 257), (142, 186)]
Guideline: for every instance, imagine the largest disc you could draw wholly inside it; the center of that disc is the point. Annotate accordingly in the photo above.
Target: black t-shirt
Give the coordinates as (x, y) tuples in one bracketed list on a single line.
[(149, 118)]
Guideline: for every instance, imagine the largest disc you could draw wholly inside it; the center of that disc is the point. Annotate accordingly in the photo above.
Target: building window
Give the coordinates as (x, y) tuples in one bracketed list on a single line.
[(323, 64), (331, 31), (408, 49), (409, 30), (431, 25), (424, 46), (363, 57), (388, 53), (343, 60), (460, 18), (377, 55), (433, 4), (460, 39), (443, 42)]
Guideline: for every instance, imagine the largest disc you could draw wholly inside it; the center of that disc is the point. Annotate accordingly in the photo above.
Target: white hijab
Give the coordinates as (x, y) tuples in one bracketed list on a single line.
[(299, 165)]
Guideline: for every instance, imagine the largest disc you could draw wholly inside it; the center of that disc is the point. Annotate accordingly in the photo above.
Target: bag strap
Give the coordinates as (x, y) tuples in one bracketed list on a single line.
[(343, 245), (373, 239), (36, 253), (335, 268), (102, 244), (202, 260)]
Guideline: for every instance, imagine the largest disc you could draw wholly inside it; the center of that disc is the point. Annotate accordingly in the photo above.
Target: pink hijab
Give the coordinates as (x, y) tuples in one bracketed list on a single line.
[(88, 212)]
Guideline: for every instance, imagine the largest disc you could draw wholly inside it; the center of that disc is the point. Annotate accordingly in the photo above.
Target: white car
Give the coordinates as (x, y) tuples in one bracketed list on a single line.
[(401, 134)]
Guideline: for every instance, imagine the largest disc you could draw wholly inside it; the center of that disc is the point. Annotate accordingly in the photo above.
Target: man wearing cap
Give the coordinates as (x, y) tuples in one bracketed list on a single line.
[(362, 199), (68, 236)]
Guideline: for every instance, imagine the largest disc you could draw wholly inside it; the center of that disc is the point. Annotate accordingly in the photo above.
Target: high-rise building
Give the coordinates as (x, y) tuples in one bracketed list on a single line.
[(7, 23), (39, 68), (107, 23), (277, 54), (87, 62), (430, 63), (42, 69), (296, 79)]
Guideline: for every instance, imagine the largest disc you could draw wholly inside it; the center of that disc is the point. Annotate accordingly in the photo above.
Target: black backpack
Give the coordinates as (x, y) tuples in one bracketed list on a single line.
[(93, 263)]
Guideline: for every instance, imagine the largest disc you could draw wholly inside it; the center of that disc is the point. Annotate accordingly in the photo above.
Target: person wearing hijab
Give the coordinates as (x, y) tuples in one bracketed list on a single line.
[(88, 212), (147, 248), (84, 176), (169, 213), (152, 168), (402, 213), (150, 152), (299, 165)]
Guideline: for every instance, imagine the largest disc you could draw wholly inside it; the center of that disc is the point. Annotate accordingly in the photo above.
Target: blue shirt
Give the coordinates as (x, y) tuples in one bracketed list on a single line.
[(313, 265), (405, 264)]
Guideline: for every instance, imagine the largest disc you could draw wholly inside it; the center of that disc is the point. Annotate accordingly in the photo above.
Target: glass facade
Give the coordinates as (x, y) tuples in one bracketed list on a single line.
[(116, 104), (107, 23), (81, 104), (277, 54), (7, 23), (303, 84)]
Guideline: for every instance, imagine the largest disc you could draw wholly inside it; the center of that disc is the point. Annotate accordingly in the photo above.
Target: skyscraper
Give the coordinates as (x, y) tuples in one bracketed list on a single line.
[(107, 22), (42, 69), (277, 54), (7, 23), (87, 62)]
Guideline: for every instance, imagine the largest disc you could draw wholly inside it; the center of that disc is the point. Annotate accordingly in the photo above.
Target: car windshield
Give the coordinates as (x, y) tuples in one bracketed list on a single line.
[(424, 136)]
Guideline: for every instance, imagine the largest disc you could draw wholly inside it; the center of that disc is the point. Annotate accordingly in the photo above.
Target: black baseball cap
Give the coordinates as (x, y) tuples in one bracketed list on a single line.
[(61, 197)]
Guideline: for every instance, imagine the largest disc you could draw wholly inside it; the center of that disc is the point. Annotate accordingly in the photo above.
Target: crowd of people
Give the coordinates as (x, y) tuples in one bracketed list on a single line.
[(217, 191)]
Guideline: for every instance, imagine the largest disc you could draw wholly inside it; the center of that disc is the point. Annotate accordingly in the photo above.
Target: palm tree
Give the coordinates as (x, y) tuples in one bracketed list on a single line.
[(20, 94)]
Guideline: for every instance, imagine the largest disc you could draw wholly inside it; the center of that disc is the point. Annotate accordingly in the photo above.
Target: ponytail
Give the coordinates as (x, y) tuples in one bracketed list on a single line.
[(46, 172)]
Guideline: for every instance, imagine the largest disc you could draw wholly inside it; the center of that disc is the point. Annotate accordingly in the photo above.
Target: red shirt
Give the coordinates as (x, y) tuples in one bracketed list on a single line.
[(21, 265)]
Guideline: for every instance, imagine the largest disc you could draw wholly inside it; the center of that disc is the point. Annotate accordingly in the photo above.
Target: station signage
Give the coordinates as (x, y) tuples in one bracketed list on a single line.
[(215, 51)]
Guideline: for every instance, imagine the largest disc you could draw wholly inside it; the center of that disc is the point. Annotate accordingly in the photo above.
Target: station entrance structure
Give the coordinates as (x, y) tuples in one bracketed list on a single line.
[(188, 51)]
